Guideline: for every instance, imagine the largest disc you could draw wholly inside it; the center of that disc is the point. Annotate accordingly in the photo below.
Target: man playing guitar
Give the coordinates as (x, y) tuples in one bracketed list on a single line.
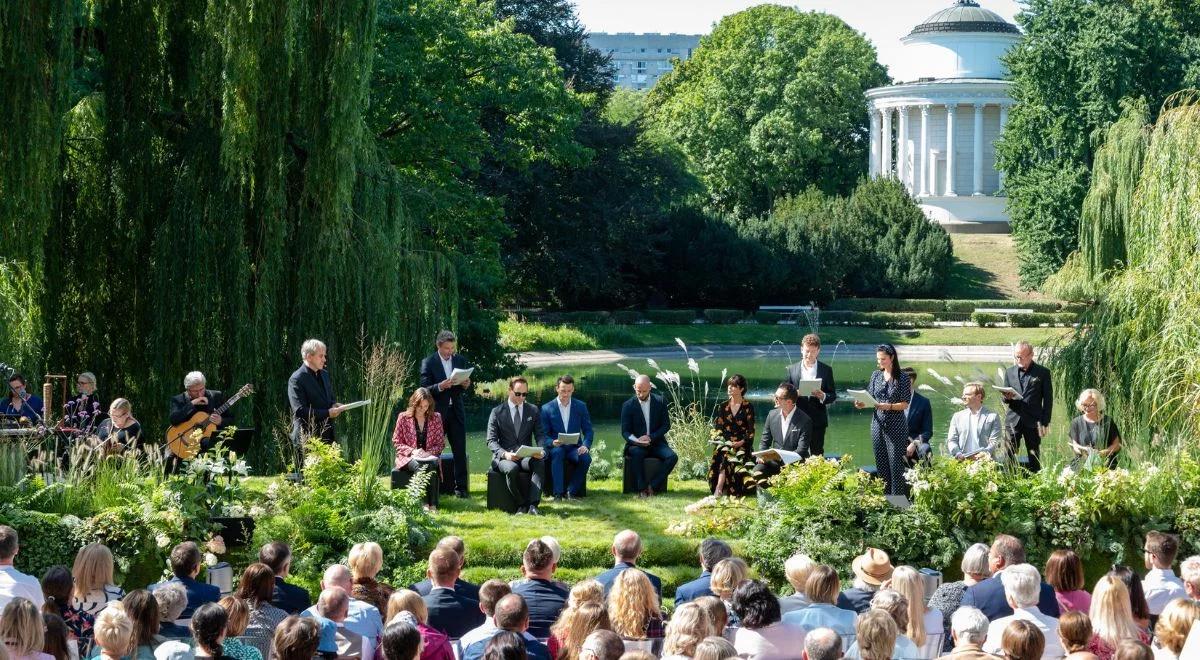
[(195, 399)]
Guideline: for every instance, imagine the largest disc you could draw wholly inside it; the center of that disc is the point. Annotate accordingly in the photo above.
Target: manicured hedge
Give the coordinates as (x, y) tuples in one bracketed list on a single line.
[(1036, 319), (969, 306), (626, 316), (887, 305), (768, 318), (985, 319), (879, 319), (724, 316), (671, 316)]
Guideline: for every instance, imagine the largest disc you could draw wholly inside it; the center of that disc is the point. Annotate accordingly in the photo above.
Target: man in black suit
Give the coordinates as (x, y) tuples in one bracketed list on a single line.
[(815, 402), (447, 398), (644, 427), (511, 425), (989, 595), (310, 393), (919, 414), (287, 597), (461, 586), (1029, 410), (196, 398), (787, 427), (448, 611)]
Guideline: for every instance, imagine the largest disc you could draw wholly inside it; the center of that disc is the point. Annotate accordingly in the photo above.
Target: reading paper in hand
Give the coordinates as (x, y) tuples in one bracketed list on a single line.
[(787, 457), (460, 376), (526, 451), (863, 396), (567, 439)]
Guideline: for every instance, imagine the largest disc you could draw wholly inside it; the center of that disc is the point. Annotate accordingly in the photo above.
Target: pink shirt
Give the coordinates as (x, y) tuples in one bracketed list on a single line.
[(1074, 601)]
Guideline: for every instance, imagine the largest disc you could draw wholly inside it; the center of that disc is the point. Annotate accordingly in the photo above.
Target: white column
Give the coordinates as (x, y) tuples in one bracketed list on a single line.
[(950, 148), (873, 158), (887, 142), (978, 147), (902, 148), (1003, 121), (924, 160)]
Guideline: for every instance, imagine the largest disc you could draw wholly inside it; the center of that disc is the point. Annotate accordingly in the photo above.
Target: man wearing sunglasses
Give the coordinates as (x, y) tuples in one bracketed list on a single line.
[(512, 425)]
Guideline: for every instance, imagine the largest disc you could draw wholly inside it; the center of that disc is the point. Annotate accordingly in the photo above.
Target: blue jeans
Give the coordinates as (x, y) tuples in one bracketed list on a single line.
[(636, 455), (561, 455)]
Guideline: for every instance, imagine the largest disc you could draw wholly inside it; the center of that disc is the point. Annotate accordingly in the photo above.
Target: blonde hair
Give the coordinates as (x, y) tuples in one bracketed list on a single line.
[(876, 633), (93, 569), (1111, 613), (910, 584), (718, 616), (974, 387), (631, 603), (114, 630), (1094, 394), (1175, 623), (727, 575), (120, 404), (715, 648), (586, 591), (406, 600), (21, 627), (575, 624), (823, 585), (365, 559), (688, 627), (797, 568), (238, 615)]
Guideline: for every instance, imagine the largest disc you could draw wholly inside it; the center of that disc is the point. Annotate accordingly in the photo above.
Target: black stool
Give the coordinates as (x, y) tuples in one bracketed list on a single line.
[(498, 496), (401, 479), (649, 467), (447, 478)]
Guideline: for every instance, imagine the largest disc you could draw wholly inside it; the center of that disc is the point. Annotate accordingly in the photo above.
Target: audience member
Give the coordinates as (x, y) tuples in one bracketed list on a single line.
[(407, 605), (949, 595), (546, 599), (1133, 650), (822, 644), (333, 605), (633, 607), (896, 605), (490, 593), (114, 633), (449, 612), (1112, 618), (717, 614), (401, 641), (1064, 573), (1160, 585), (567, 635), (171, 598), (711, 552), (1075, 633), (512, 616), (626, 549), (209, 626), (1023, 640), (256, 587), (602, 645), (968, 631), (586, 591), (762, 633), (366, 560), (57, 588), (875, 637), (727, 575), (555, 554), (14, 583), (1137, 598), (1022, 591), (715, 648), (461, 586), (1189, 572), (688, 627), (21, 630), (296, 638), (823, 587), (1173, 627), (287, 597), (141, 607), (796, 570), (362, 618), (57, 642), (990, 595), (185, 566), (237, 617), (638, 655), (924, 623), (506, 645), (93, 573), (871, 569)]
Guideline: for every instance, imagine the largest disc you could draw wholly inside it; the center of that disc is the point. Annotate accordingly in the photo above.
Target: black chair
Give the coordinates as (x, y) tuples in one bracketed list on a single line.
[(401, 479), (447, 480), (498, 496), (649, 468)]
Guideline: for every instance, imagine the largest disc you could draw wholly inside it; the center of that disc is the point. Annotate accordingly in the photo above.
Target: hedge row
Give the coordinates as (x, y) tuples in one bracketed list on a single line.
[(985, 319), (952, 306), (879, 319)]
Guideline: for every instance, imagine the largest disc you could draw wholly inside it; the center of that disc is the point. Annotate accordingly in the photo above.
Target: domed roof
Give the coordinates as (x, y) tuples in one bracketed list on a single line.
[(965, 16)]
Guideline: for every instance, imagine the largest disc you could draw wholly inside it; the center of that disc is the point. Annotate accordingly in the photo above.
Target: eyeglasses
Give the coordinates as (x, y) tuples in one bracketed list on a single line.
[(520, 393)]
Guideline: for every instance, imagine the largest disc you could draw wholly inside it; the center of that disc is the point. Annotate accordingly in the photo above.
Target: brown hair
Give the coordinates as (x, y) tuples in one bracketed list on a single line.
[(238, 616), (1022, 641), (257, 584), (1163, 546), (443, 563), (297, 638), (512, 382), (1064, 571), (8, 542), (1175, 623), (876, 632), (21, 627), (811, 339), (490, 593), (575, 624), (823, 585), (275, 554), (1075, 629), (142, 609), (1132, 649), (538, 556), (421, 394), (717, 614), (185, 558)]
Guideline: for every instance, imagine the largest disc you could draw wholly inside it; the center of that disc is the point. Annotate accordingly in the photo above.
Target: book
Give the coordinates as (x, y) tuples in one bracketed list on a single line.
[(567, 439), (527, 452), (1007, 390), (460, 376), (351, 406), (863, 396), (787, 457)]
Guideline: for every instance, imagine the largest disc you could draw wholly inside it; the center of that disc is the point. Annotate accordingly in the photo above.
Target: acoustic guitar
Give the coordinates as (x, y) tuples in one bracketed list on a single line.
[(183, 439)]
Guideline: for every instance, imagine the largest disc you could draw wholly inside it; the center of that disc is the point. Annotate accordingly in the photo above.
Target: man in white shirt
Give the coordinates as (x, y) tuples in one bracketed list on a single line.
[(14, 583), (973, 428), (1160, 584), (1022, 587), (361, 617)]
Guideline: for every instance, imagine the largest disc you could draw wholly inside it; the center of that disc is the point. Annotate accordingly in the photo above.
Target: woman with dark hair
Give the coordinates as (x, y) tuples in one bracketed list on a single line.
[(892, 391), (208, 629), (297, 638), (1137, 597), (401, 641), (762, 634), (1064, 572), (58, 588), (505, 646), (56, 642), (735, 424), (419, 440), (238, 617), (256, 588)]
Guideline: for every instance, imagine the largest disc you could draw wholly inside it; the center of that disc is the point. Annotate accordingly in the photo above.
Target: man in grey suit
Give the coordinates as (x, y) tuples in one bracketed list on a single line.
[(974, 430), (787, 427), (513, 424)]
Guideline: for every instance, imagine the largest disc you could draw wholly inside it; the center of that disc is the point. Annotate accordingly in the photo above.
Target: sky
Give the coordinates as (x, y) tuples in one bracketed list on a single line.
[(883, 22)]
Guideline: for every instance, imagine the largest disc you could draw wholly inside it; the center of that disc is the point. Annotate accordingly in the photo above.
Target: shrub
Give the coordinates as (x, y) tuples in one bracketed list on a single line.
[(626, 317), (518, 336), (578, 318), (724, 316), (671, 316), (887, 305), (986, 319), (768, 318), (879, 319), (46, 539), (969, 306)]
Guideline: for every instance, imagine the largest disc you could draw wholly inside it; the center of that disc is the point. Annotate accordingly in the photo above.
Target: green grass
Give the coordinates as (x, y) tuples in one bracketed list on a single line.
[(520, 337), (985, 266)]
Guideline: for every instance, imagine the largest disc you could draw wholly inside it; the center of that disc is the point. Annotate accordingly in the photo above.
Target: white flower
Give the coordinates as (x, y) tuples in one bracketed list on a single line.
[(723, 373), (162, 540), (925, 388), (1064, 477), (240, 468), (692, 366), (681, 344), (668, 377), (991, 487), (958, 401), (210, 559), (974, 467), (257, 511), (941, 378), (652, 363)]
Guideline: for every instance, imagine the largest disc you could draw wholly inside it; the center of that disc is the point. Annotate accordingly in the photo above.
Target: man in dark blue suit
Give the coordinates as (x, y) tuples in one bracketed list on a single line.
[(545, 597), (626, 548), (287, 597), (644, 427), (920, 423), (185, 564), (711, 552), (989, 596), (564, 414), (447, 398), (461, 586), (449, 612)]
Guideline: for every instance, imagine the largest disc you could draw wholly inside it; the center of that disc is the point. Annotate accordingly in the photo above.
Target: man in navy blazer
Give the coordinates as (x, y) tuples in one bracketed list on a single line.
[(626, 548), (711, 552), (564, 414), (449, 612), (920, 423), (644, 427), (461, 586), (287, 597), (989, 596), (447, 400), (185, 564)]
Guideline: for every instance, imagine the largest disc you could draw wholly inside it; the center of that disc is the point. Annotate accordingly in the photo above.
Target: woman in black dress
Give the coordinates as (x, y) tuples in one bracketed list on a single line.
[(892, 391), (1093, 431), (734, 424), (120, 431)]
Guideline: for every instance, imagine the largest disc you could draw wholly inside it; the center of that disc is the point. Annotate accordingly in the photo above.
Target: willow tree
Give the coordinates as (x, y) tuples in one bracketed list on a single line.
[(1139, 344)]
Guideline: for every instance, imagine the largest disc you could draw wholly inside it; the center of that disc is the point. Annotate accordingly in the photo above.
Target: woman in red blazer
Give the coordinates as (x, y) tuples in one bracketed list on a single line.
[(419, 440)]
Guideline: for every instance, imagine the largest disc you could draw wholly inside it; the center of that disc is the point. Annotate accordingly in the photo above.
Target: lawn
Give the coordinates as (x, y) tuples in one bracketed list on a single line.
[(520, 337), (985, 266)]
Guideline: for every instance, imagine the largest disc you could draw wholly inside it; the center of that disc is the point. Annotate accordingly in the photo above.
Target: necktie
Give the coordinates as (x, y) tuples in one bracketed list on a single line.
[(516, 417)]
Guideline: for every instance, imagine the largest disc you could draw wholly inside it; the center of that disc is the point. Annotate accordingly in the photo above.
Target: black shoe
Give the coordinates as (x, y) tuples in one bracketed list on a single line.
[(521, 511), (533, 511), (461, 494)]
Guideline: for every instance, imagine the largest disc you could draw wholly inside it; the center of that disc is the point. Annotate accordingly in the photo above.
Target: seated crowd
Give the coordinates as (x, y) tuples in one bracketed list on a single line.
[(1002, 608)]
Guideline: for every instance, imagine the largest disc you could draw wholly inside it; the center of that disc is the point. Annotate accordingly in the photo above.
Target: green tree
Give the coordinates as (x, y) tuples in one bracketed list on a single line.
[(769, 104), (1078, 59)]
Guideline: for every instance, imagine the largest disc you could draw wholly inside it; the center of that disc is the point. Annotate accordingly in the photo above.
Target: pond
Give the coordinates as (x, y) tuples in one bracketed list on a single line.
[(604, 387)]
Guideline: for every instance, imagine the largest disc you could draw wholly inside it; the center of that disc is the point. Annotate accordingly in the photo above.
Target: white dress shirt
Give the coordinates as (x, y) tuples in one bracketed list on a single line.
[(15, 584), (447, 364), (964, 433), (565, 411), (785, 422), (646, 414), (1044, 622), (1161, 587)]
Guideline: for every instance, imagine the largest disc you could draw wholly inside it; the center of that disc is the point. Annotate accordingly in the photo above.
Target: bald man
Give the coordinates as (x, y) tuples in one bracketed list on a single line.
[(361, 617), (626, 549), (644, 427)]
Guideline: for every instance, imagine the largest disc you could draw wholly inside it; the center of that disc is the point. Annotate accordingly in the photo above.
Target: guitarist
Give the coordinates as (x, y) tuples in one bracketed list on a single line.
[(195, 398)]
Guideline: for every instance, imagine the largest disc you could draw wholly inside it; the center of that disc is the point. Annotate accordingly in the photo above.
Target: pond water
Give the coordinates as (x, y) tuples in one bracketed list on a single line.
[(605, 387)]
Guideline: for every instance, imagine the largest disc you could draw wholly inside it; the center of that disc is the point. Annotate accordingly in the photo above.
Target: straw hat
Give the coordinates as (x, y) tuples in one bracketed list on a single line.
[(873, 566)]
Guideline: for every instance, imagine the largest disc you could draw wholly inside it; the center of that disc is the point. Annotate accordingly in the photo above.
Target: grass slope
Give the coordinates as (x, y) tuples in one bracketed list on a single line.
[(985, 266)]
